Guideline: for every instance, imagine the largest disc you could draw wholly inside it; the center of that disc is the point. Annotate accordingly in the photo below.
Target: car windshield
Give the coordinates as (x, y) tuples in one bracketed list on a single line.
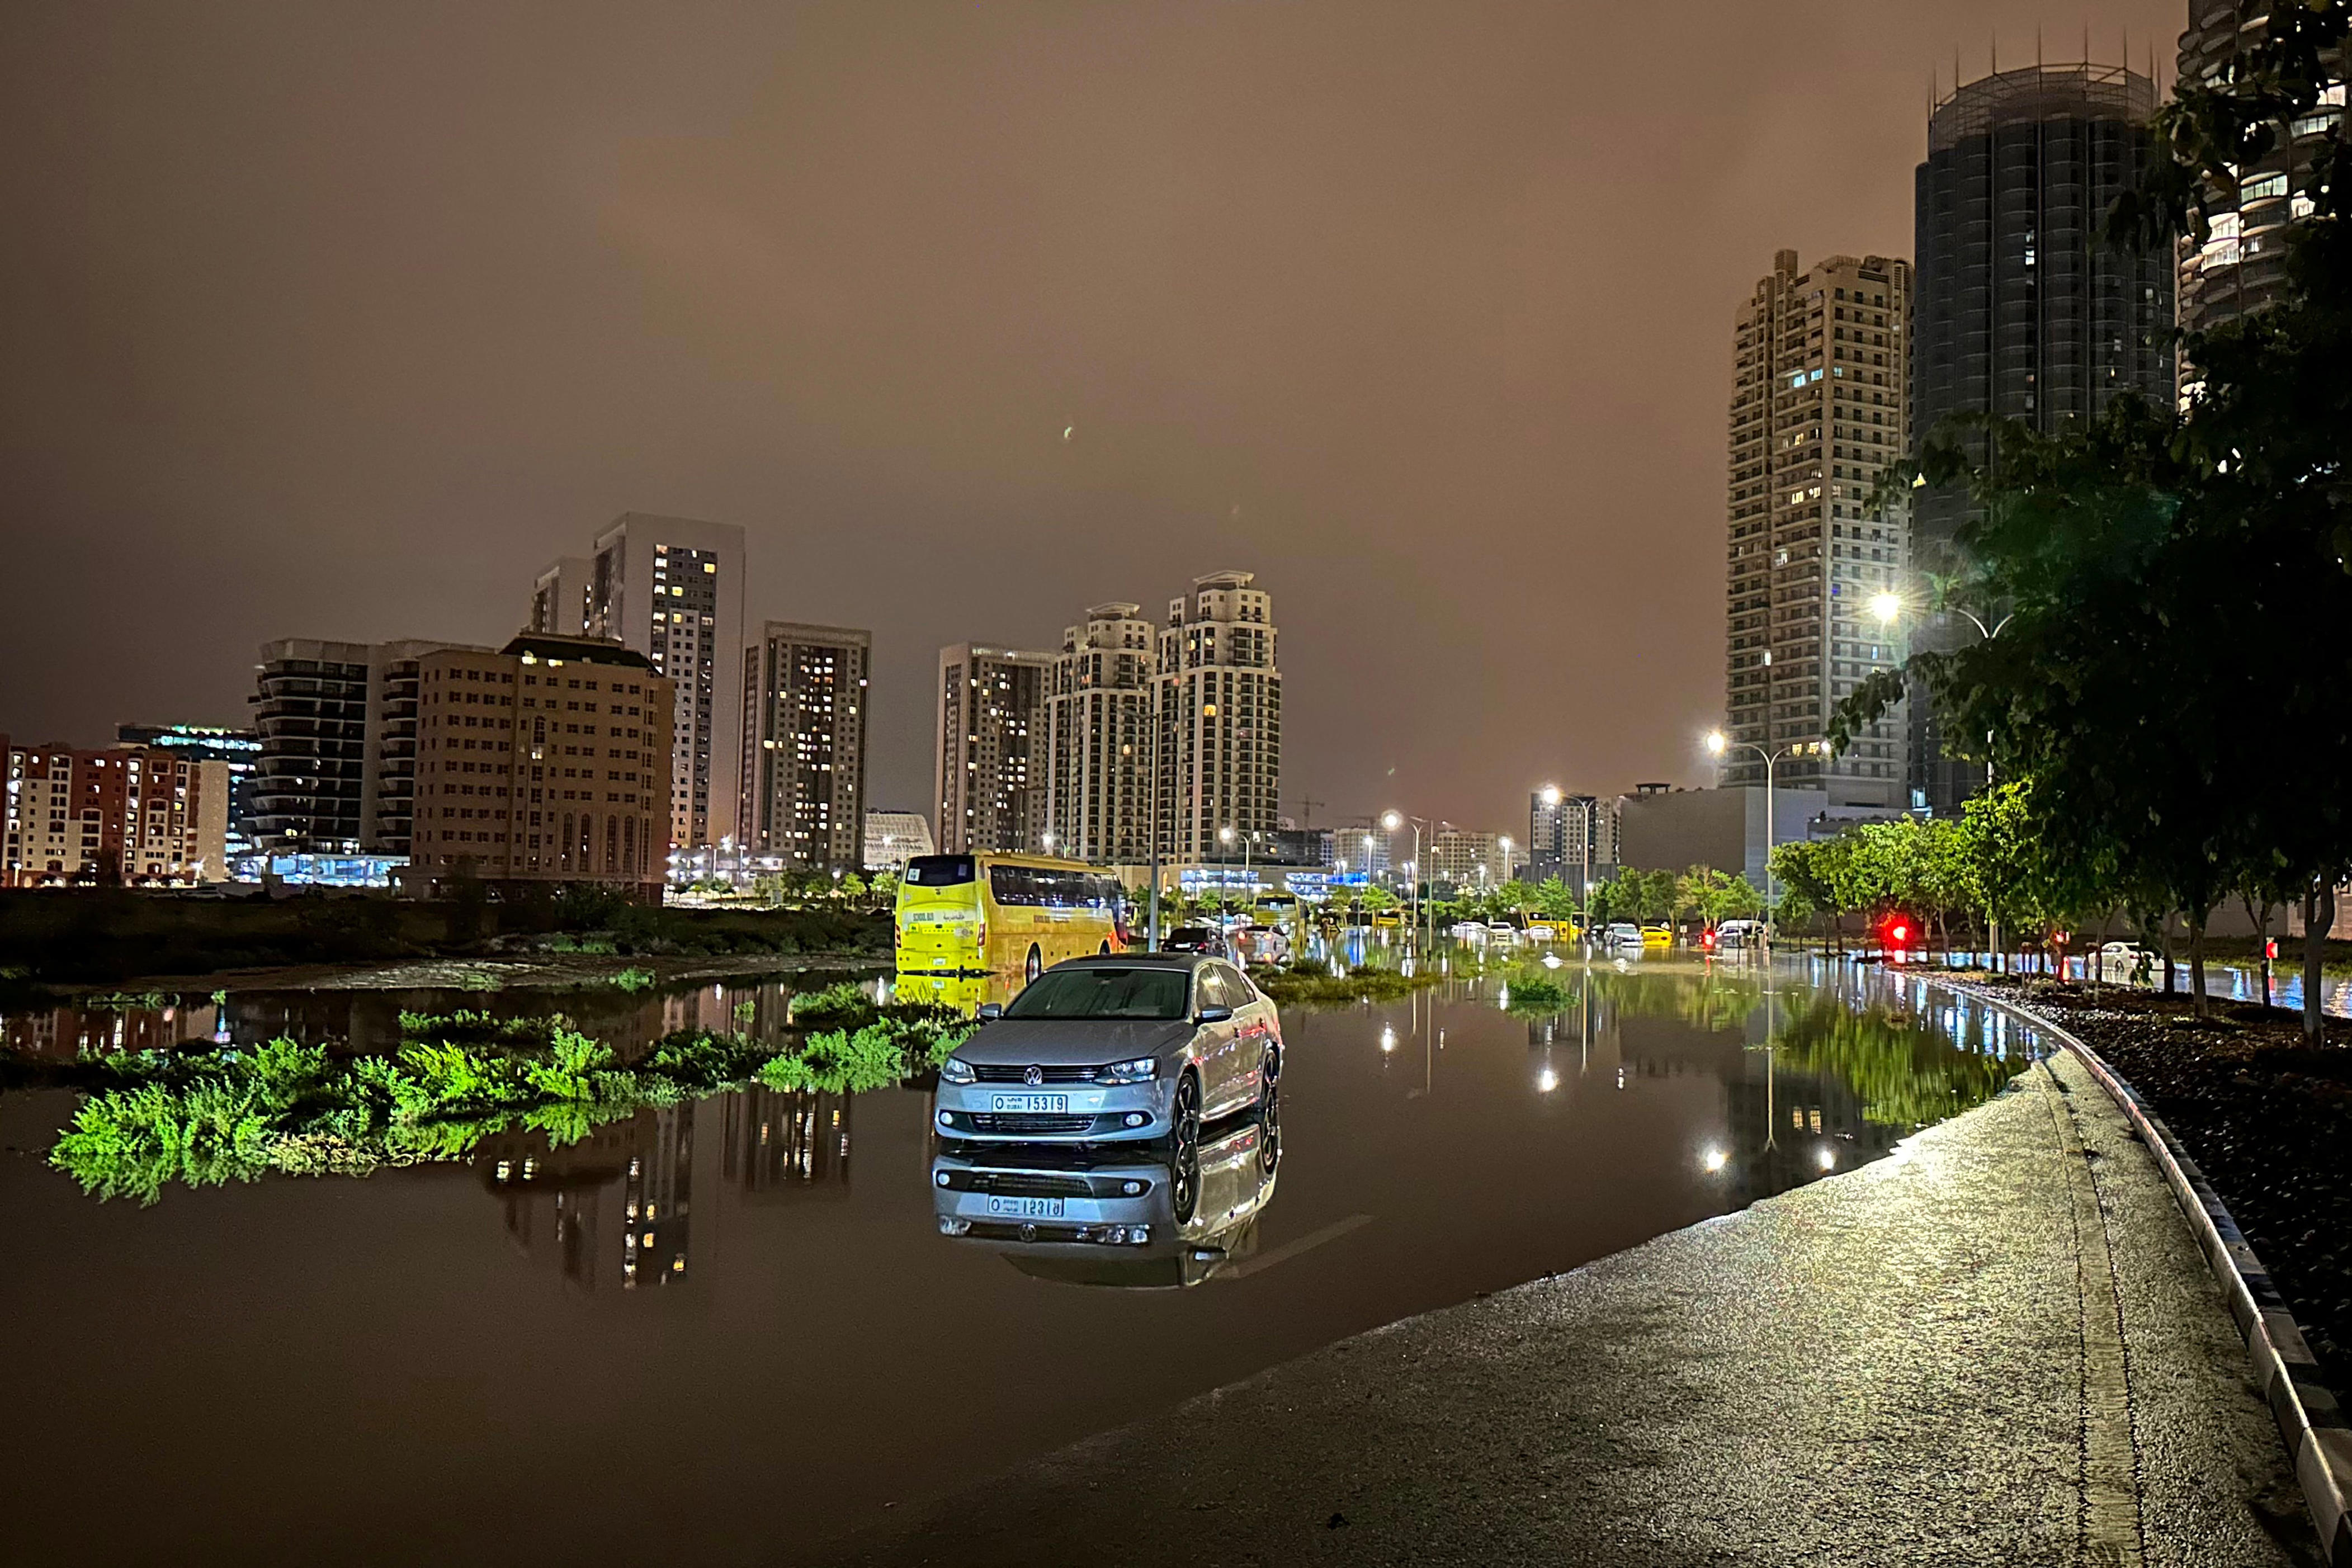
[(1101, 991)]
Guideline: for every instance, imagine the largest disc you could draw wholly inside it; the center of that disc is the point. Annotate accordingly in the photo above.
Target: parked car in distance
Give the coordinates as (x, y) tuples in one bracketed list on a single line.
[(1658, 934), (1621, 934), (1134, 1047), (2120, 963), (1503, 931), (1261, 944), (1197, 939), (1738, 933)]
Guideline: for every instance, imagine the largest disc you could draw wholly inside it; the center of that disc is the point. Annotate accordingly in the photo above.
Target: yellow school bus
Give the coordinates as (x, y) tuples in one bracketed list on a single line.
[(998, 914)]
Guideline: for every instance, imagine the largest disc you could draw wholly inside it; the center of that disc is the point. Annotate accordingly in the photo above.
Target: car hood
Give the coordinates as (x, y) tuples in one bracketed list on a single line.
[(1071, 1042)]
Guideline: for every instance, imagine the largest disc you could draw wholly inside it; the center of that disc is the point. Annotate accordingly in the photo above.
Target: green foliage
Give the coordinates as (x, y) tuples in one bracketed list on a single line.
[(1533, 991), (843, 1005), (200, 1117), (635, 980)]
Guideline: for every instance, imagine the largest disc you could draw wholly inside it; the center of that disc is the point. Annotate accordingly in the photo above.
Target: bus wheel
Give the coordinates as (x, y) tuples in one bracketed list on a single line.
[(1037, 964), (1105, 949)]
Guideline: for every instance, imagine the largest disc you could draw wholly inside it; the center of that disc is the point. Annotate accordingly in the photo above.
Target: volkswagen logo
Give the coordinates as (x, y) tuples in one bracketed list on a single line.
[(1033, 1075)]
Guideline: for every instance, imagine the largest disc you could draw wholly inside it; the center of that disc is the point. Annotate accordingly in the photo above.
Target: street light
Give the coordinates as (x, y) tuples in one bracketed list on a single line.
[(1716, 745), (1392, 820)]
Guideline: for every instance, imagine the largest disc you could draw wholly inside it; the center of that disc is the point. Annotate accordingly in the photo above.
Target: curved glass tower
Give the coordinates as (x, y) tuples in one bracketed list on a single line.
[(2021, 310)]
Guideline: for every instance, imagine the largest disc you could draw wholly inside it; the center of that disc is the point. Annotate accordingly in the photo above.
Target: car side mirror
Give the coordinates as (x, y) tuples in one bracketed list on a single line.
[(1213, 1014), (990, 1011)]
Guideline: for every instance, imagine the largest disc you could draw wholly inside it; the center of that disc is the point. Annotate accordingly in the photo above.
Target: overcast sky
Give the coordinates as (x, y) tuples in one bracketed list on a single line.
[(339, 320)]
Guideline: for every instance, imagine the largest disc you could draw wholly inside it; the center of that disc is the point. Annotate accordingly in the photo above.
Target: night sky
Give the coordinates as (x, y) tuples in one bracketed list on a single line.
[(340, 320)]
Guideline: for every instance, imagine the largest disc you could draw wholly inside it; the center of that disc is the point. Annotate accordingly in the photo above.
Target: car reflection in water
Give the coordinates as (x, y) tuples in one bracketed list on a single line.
[(1139, 1218)]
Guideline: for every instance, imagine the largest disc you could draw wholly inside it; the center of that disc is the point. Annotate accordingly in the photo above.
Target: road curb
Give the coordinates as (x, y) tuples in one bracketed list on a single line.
[(2311, 1420)]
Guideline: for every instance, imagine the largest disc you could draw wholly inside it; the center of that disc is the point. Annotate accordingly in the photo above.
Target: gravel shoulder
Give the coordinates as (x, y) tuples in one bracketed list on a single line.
[(1997, 1346), (2266, 1117)]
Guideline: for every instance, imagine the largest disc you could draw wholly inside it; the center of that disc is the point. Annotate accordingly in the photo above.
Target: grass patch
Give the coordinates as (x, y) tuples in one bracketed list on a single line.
[(205, 1117), (1533, 991)]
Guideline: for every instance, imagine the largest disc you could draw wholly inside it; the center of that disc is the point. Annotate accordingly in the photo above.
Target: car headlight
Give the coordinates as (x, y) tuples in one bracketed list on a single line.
[(955, 1069), (1142, 1070)]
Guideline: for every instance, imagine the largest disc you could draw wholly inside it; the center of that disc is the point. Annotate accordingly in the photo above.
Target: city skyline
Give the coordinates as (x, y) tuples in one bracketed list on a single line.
[(469, 397)]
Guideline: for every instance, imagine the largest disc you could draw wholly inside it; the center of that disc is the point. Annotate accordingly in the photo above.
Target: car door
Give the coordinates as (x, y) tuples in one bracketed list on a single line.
[(1215, 1041), (1247, 1039)]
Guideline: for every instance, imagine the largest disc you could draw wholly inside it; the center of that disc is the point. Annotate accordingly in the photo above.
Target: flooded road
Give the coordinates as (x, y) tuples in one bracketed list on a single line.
[(732, 1329)]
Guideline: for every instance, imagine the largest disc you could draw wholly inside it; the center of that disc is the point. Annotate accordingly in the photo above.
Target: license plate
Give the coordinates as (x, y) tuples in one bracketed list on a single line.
[(1026, 1208), (1033, 1104)]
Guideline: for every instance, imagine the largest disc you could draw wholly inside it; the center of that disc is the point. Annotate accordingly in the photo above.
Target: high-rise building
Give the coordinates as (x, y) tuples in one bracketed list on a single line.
[(1572, 838), (1220, 716), (127, 815), (802, 785), (2022, 311), (895, 838), (992, 788), (1819, 410), (336, 773), (564, 598), (2241, 266), (239, 751), (546, 761), (672, 588), (1099, 714), (1463, 860)]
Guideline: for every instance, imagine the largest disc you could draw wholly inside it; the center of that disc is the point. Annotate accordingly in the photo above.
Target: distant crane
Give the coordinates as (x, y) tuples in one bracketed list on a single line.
[(1307, 804)]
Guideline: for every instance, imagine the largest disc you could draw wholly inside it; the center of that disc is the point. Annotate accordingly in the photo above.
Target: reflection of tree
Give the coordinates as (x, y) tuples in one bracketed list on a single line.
[(1717, 1000), (1906, 1072)]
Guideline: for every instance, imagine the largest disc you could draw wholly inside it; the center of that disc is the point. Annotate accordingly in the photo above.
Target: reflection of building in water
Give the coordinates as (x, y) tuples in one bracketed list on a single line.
[(1791, 1128), (65, 1034), (780, 1142), (552, 1196), (656, 1199)]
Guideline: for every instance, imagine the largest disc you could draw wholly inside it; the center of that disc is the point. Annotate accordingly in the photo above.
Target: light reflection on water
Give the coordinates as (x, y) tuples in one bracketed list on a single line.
[(754, 1284)]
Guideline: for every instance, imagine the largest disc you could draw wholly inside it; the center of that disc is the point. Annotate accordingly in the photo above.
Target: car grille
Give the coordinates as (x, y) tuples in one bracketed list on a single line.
[(992, 1074), (1021, 1185), (994, 1122), (997, 1230)]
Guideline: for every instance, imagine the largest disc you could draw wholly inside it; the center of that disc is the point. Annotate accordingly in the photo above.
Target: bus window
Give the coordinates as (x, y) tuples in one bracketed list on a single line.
[(939, 870), (1016, 885)]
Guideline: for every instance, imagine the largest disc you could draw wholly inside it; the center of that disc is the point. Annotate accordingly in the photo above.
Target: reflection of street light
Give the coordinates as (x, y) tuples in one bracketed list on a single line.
[(1714, 1160), (1546, 1081)]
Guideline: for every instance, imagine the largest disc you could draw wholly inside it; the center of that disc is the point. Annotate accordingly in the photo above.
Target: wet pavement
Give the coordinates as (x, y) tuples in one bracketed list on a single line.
[(1998, 1347), (731, 1329)]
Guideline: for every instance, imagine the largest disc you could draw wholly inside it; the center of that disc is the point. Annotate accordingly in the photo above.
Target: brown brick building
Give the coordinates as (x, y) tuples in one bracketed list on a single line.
[(125, 815), (548, 760)]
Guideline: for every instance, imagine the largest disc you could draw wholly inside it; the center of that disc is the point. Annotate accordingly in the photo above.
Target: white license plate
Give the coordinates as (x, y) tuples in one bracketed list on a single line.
[(1026, 1208), (1033, 1104)]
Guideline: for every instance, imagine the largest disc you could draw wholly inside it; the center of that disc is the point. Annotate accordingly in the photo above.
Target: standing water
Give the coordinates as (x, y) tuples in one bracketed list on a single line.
[(731, 1328)]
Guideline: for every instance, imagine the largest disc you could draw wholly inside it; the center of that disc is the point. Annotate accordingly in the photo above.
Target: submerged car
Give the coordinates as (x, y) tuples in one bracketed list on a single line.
[(1623, 933), (1138, 1047), (1196, 939), (1127, 1218), (1261, 944)]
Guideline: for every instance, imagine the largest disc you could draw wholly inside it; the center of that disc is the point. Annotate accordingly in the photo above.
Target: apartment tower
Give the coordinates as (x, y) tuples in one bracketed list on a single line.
[(2241, 266), (2022, 311), (1819, 408), (1220, 716), (992, 788), (544, 763), (672, 589), (337, 722), (562, 599), (1099, 714), (803, 788)]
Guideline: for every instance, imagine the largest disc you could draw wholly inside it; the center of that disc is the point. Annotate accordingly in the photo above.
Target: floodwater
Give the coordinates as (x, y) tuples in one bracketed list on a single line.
[(732, 1330)]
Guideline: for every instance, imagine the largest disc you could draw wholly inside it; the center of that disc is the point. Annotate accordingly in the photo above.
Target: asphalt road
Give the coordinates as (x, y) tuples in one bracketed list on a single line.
[(1997, 1346)]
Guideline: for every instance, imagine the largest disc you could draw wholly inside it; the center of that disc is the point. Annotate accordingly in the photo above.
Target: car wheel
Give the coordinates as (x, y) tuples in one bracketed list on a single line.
[(1269, 1073), (1184, 1122), (1185, 1184), (1269, 1123), (1036, 965)]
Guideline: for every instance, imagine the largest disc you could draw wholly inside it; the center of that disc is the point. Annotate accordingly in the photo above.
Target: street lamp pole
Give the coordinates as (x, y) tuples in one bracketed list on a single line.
[(1392, 821), (1716, 745)]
